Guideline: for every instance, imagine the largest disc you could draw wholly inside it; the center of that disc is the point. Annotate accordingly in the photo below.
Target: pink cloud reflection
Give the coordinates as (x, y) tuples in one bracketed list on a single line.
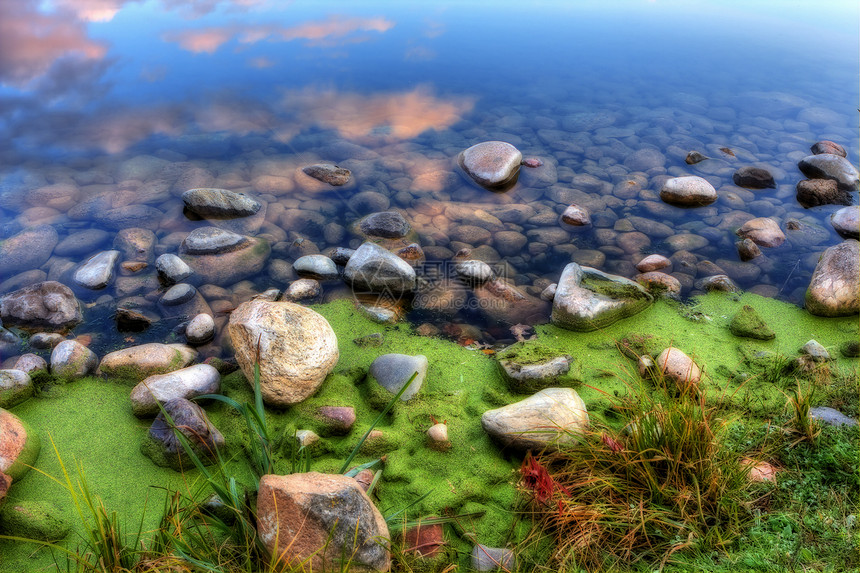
[(206, 40)]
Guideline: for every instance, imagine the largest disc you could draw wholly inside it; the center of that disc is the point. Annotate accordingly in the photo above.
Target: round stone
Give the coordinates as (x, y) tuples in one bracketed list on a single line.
[(318, 267), (492, 164), (200, 330), (688, 191), (846, 221), (388, 224), (762, 231)]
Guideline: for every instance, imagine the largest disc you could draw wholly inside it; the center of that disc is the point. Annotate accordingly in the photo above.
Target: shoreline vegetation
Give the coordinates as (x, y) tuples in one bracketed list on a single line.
[(578, 507)]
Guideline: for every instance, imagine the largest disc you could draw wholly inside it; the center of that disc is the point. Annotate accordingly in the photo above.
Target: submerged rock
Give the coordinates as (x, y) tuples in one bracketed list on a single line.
[(753, 178), (219, 203), (327, 173), (97, 272), (222, 257), (834, 289), (387, 224), (551, 417), (846, 221), (576, 216), (298, 348), (694, 157), (313, 520), (587, 299), (492, 164), (29, 249)]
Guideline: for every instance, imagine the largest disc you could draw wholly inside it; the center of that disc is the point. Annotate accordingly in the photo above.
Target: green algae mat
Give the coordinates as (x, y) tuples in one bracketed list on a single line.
[(91, 423)]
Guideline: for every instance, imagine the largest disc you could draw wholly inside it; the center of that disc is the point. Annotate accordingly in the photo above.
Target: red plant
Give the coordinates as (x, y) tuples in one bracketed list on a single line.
[(537, 478)]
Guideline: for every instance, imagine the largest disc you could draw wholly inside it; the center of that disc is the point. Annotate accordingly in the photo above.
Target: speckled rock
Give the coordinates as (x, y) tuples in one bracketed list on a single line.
[(185, 383), (492, 164), (298, 348), (846, 221), (314, 519), (71, 359), (474, 272), (200, 330), (327, 173), (814, 192), (678, 367), (47, 305), (219, 203), (30, 363), (834, 289), (303, 289), (135, 244), (29, 249), (387, 224), (19, 445), (753, 178), (552, 416)]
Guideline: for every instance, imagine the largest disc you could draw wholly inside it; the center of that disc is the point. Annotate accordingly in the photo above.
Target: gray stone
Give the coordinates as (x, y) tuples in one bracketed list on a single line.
[(549, 418), (219, 203), (171, 269), (747, 249), (753, 178), (492, 559), (392, 371), (576, 216), (178, 294), (318, 267), (846, 221), (387, 224), (48, 305), (15, 387), (829, 166), (71, 359), (492, 164), (98, 271), (327, 173), (763, 231), (187, 383), (164, 448), (831, 416), (588, 299), (138, 216), (834, 289), (374, 269), (341, 255), (688, 191), (200, 330), (211, 241), (474, 272), (815, 351)]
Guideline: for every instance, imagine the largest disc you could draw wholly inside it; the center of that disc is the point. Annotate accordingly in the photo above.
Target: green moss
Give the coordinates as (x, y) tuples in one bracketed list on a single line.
[(748, 324), (33, 520)]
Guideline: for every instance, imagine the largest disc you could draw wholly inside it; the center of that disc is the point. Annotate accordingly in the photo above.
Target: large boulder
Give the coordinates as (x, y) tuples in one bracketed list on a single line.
[(185, 383), (47, 305), (492, 164), (376, 270), (588, 299), (137, 363), (219, 203), (551, 417), (320, 521), (297, 348), (830, 166), (19, 446), (835, 286)]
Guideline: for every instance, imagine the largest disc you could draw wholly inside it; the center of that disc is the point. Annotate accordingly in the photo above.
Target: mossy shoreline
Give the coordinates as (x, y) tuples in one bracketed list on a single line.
[(92, 425)]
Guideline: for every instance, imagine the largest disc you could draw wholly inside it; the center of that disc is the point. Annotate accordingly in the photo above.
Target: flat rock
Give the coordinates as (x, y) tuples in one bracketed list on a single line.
[(19, 445), (392, 371), (222, 257), (98, 271), (846, 221), (327, 173), (829, 166), (831, 416), (688, 191), (374, 269), (47, 305), (587, 299), (298, 348), (312, 520), (492, 164), (219, 203), (211, 241), (81, 243), (763, 231), (71, 359), (527, 371), (15, 387), (834, 289), (163, 447), (550, 417), (140, 362), (187, 383)]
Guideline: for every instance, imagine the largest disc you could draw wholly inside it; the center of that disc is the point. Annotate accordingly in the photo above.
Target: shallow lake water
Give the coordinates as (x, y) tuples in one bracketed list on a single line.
[(111, 109)]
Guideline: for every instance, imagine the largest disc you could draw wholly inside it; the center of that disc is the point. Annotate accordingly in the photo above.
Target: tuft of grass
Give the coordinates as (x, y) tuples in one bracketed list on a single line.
[(665, 483)]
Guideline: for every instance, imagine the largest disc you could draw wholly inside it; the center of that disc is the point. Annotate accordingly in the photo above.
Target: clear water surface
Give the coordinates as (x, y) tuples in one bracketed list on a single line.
[(128, 102)]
